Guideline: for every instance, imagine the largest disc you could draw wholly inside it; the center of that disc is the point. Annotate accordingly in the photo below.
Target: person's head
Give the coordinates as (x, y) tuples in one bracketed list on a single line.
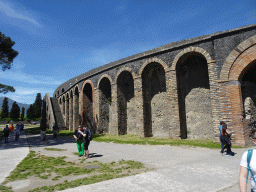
[(79, 127), (84, 127), (7, 126), (222, 122)]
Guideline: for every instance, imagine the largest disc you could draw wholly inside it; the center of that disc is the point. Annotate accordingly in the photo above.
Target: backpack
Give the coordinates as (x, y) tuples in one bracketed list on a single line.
[(249, 156), (89, 135)]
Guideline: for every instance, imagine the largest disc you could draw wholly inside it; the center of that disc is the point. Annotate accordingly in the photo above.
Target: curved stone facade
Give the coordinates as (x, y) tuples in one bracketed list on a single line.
[(179, 90)]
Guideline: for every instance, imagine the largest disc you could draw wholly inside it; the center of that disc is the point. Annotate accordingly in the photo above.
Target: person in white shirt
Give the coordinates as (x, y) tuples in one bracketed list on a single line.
[(244, 170)]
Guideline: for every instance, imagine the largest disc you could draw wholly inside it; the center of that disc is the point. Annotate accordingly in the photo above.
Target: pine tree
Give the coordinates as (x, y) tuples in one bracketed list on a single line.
[(30, 112), (15, 111), (37, 106), (5, 108), (22, 113)]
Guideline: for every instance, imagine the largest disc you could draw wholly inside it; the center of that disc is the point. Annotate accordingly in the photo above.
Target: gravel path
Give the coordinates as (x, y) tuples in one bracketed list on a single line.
[(176, 168)]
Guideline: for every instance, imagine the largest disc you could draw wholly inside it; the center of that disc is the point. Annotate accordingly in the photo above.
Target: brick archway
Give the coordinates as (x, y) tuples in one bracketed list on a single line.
[(230, 82)]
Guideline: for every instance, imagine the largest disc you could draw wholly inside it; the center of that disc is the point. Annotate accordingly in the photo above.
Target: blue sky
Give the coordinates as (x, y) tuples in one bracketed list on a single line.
[(60, 39)]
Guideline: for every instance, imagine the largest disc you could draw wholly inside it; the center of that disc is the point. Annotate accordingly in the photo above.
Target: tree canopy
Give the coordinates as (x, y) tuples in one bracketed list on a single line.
[(15, 111), (7, 54), (5, 108)]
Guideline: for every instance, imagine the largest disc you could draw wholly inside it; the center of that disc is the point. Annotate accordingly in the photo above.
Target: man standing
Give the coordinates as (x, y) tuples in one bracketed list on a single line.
[(6, 133), (86, 134)]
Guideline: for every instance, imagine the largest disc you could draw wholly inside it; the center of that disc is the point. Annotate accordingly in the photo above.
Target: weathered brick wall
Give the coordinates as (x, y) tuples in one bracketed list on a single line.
[(152, 111)]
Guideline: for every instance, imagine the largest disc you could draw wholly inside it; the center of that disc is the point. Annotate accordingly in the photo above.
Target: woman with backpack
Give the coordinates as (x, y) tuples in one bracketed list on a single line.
[(226, 140), (79, 140), (248, 165)]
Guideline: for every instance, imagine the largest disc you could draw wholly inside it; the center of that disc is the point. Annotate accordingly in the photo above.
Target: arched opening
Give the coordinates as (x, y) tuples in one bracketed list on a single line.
[(58, 93), (248, 88), (77, 118), (63, 105), (154, 101), (63, 90), (104, 104), (194, 98), (87, 112), (125, 102), (67, 110), (71, 112)]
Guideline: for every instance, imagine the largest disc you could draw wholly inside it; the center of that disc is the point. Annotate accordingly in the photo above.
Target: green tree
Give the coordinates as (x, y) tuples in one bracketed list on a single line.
[(5, 108), (15, 111), (37, 106), (30, 113), (22, 113), (7, 54)]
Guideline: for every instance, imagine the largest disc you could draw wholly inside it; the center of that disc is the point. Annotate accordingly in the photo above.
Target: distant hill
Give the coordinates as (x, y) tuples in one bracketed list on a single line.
[(10, 102)]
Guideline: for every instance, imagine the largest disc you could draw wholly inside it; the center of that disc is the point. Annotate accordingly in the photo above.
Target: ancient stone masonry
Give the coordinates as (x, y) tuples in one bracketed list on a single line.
[(179, 90)]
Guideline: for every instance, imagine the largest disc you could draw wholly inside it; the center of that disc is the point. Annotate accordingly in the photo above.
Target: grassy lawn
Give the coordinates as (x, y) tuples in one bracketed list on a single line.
[(133, 139), (52, 169)]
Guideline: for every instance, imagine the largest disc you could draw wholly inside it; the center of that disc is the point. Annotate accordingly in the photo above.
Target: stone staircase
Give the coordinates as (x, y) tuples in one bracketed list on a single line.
[(57, 114)]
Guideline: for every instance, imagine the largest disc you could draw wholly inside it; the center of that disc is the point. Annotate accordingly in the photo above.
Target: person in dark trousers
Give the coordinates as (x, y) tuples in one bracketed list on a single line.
[(78, 135), (6, 133), (21, 127), (225, 138), (222, 144), (86, 141), (17, 130)]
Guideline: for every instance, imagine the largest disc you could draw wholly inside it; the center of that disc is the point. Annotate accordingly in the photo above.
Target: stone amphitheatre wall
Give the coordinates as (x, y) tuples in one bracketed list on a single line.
[(179, 90)]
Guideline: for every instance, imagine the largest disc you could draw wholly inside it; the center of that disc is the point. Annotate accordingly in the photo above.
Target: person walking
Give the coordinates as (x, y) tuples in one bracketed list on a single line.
[(11, 128), (21, 127), (248, 164), (6, 133), (222, 144), (226, 140), (79, 140), (17, 130), (86, 133)]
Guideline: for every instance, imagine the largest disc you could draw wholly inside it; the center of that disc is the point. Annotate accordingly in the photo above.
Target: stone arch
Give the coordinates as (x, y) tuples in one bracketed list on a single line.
[(71, 128), (194, 99), (76, 116), (105, 99), (125, 103), (229, 62), (188, 50), (67, 110), (237, 79), (124, 69), (87, 104), (104, 76), (154, 100), (63, 106), (153, 60)]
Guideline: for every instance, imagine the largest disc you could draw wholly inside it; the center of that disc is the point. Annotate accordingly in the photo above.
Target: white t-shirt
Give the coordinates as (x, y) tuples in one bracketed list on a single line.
[(243, 163)]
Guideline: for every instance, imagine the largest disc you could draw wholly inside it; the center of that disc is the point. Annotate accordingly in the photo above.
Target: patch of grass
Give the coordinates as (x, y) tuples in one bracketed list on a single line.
[(66, 133), (76, 153), (5, 189), (133, 139), (42, 167), (37, 130), (55, 149)]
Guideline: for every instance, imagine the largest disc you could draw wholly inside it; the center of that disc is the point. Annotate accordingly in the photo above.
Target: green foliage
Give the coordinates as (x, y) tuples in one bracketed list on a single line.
[(7, 54), (30, 112), (55, 149), (5, 110), (37, 106), (34, 110), (15, 111), (22, 114), (6, 88)]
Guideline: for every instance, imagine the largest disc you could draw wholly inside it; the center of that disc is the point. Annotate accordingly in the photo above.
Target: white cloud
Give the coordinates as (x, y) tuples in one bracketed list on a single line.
[(27, 78), (8, 11)]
